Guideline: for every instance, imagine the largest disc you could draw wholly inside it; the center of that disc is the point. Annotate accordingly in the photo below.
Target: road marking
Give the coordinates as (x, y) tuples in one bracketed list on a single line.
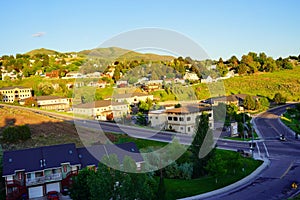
[(287, 170), (258, 149), (266, 149)]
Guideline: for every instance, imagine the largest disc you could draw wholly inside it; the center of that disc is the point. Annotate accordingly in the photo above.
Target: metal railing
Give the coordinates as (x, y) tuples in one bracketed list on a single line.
[(43, 179)]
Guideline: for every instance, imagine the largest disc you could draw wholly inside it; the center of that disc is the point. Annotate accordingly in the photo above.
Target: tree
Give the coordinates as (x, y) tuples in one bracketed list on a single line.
[(222, 68), (279, 99), (80, 188), (198, 142), (216, 167), (45, 88), (249, 103), (231, 110), (117, 74)]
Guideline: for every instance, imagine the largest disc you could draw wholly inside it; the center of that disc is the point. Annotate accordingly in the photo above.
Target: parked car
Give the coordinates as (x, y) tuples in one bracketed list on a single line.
[(282, 137), (52, 195)]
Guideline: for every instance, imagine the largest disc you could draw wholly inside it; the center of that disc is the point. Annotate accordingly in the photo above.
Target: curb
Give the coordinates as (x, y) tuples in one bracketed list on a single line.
[(233, 186)]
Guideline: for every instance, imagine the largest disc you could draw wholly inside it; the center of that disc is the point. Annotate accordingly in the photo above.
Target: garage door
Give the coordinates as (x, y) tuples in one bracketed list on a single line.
[(53, 187), (35, 192)]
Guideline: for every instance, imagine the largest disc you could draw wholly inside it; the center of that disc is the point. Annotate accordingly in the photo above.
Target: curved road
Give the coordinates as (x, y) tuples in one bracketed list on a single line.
[(284, 169)]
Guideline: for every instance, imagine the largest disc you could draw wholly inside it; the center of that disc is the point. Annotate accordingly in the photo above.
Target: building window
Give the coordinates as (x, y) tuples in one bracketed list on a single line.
[(175, 119), (188, 119), (189, 129), (156, 117), (170, 118), (181, 119)]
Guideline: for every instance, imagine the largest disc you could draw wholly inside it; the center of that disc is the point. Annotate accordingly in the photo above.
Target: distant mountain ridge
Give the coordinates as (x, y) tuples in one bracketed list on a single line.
[(109, 53)]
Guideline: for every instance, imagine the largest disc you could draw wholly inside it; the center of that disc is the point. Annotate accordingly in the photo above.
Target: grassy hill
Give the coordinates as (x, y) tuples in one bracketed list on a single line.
[(286, 82), (42, 51), (115, 53)]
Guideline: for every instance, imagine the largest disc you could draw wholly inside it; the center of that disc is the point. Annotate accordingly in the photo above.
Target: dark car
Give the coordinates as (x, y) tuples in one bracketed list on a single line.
[(282, 137), (52, 195)]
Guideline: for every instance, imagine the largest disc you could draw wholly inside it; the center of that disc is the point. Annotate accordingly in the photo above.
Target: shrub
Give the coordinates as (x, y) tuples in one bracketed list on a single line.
[(16, 133)]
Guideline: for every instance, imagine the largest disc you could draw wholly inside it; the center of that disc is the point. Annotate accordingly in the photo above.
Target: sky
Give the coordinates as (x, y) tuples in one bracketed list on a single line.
[(221, 27)]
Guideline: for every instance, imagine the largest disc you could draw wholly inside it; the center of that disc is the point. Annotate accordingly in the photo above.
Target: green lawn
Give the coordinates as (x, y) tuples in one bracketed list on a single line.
[(291, 119), (242, 139), (185, 188)]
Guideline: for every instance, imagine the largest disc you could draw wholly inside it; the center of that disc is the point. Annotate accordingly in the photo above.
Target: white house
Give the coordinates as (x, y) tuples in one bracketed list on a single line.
[(158, 119), (101, 109), (131, 98), (183, 119), (191, 76)]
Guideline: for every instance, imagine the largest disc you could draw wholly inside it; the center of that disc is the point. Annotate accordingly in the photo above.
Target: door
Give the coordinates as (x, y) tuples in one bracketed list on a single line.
[(35, 192), (53, 187)]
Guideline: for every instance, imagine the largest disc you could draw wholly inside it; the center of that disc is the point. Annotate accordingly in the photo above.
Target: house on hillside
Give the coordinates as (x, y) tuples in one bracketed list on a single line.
[(131, 98), (13, 93), (191, 76), (102, 109), (36, 171)]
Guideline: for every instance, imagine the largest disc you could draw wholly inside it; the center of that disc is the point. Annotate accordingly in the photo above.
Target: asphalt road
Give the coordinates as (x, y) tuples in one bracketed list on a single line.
[(284, 169)]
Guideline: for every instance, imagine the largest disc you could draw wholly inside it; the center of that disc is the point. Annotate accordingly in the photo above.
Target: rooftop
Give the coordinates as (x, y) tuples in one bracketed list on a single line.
[(188, 109), (128, 95), (14, 87), (98, 104)]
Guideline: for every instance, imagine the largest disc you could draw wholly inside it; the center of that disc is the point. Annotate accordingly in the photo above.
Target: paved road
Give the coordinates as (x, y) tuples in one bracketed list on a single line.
[(275, 181)]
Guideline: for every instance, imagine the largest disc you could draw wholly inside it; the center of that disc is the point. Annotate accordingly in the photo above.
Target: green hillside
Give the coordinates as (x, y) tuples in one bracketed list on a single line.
[(42, 51), (115, 53), (286, 82)]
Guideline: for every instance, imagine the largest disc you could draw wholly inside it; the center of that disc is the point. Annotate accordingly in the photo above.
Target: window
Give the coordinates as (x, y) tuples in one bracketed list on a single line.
[(181, 128), (175, 119), (156, 117), (189, 129), (209, 115), (181, 119), (188, 119), (170, 118)]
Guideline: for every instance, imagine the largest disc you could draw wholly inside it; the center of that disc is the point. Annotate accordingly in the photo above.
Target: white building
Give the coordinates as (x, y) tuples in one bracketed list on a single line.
[(101, 109), (158, 119), (191, 76), (50, 102), (131, 98), (10, 94), (183, 119)]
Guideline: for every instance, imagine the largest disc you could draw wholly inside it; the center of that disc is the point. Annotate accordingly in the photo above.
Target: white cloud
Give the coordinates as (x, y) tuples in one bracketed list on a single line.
[(38, 34)]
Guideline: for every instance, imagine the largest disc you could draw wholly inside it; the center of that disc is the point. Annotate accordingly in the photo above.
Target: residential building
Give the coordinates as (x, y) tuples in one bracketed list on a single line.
[(52, 74), (131, 98), (183, 119), (50, 102), (158, 119), (10, 94), (101, 109), (206, 79), (100, 84), (191, 76), (73, 75), (152, 85), (33, 172), (232, 99)]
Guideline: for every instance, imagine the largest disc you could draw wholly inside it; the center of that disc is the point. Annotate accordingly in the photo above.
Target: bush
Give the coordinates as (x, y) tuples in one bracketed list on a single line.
[(16, 133), (183, 171)]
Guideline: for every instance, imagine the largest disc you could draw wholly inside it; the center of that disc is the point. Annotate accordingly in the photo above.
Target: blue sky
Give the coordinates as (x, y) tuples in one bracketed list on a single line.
[(221, 27)]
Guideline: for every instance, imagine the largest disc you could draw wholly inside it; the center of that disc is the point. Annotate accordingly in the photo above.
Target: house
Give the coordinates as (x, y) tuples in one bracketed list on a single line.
[(232, 99), (73, 75), (158, 119), (10, 94), (183, 119), (175, 80), (152, 85), (94, 75), (12, 75), (52, 74), (131, 98), (121, 84), (36, 171), (50, 102), (191, 76), (100, 84), (102, 109), (206, 79)]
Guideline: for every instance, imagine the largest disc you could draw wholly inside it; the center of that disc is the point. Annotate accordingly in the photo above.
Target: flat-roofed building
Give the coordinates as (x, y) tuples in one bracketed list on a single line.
[(102, 109), (11, 94)]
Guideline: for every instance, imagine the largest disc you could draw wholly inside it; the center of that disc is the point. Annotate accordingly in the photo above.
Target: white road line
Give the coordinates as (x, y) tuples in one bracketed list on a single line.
[(266, 149), (258, 149)]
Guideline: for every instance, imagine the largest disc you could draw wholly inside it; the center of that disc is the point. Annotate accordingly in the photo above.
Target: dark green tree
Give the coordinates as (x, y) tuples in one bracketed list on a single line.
[(202, 132), (80, 188), (249, 103)]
